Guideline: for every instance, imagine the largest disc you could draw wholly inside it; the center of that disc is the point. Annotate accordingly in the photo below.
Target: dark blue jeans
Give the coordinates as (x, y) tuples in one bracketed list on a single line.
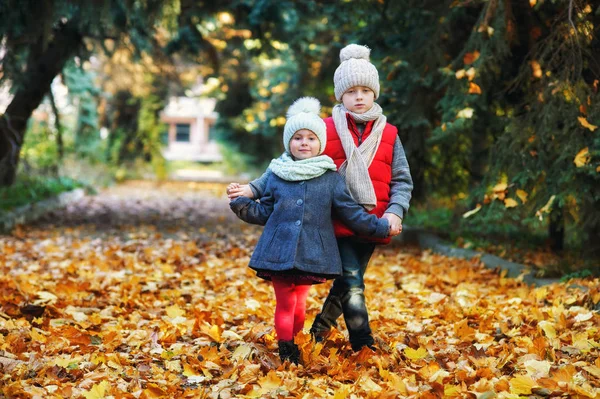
[(347, 295)]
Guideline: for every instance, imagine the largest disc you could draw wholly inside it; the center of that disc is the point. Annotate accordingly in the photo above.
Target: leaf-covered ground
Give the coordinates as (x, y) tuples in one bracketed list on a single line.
[(143, 292)]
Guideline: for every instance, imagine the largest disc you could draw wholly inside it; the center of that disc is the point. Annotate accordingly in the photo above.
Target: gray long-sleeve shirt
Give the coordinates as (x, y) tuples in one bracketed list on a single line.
[(400, 187)]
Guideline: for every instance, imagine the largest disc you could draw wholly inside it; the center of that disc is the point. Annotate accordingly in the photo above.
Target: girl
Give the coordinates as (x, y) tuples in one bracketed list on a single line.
[(298, 247)]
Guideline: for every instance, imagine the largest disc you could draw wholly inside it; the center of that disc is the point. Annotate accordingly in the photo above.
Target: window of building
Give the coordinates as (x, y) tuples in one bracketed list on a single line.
[(182, 132)]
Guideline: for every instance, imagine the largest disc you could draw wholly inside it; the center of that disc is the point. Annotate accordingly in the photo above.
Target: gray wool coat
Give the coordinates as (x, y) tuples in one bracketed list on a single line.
[(298, 230)]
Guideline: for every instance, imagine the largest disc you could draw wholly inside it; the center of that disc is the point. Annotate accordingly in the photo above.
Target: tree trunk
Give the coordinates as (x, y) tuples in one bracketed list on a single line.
[(59, 139), (556, 230), (479, 156), (35, 85)]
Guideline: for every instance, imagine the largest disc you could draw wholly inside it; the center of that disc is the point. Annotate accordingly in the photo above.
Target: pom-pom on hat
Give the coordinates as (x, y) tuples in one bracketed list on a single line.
[(355, 70), (304, 114)]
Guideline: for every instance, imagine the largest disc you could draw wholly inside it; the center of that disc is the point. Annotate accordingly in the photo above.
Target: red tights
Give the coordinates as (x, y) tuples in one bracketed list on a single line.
[(290, 311)]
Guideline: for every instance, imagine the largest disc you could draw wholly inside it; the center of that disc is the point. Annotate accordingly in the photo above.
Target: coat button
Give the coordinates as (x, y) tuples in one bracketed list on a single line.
[(298, 223), (299, 202)]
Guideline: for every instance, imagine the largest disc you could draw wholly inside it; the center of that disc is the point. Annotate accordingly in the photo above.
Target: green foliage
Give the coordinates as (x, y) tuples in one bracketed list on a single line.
[(29, 190), (39, 153), (83, 93)]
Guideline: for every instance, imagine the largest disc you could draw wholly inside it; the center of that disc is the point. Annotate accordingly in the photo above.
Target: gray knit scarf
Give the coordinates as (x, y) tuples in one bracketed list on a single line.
[(291, 170), (355, 168)]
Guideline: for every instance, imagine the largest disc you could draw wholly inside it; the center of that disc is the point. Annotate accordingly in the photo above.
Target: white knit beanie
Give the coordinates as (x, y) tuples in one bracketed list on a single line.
[(304, 114), (355, 70)]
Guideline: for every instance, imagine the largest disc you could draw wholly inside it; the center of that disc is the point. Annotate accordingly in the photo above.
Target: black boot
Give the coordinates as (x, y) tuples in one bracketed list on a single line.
[(288, 350)]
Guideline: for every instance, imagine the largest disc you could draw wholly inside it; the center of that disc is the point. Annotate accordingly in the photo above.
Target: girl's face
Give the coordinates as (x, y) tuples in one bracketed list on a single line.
[(304, 144), (358, 99)]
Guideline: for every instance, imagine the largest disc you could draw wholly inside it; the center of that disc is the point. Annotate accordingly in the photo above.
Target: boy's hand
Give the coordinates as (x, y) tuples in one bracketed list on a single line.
[(395, 223), (235, 190)]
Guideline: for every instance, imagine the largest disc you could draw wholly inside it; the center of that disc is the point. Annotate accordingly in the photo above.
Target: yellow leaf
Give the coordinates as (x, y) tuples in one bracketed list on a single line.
[(460, 74), (188, 370), (472, 212), (413, 354), (37, 336), (582, 158), (521, 385), (174, 311), (584, 122), (593, 370), (537, 368), (500, 187), (369, 385), (98, 391), (548, 329), (270, 382), (474, 88), (242, 352), (173, 365), (546, 208), (510, 203), (452, 391), (522, 195), (466, 113), (532, 2), (536, 69), (252, 304), (470, 73), (342, 392)]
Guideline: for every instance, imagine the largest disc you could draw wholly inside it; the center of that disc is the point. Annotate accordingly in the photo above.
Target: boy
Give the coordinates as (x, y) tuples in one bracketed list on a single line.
[(369, 155)]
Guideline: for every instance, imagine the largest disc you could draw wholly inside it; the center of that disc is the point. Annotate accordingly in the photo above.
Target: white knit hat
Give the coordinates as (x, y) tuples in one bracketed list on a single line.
[(355, 70), (304, 114)]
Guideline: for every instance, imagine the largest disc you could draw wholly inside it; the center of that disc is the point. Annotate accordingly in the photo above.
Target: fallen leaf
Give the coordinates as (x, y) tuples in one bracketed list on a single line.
[(522, 385), (417, 354), (98, 391)]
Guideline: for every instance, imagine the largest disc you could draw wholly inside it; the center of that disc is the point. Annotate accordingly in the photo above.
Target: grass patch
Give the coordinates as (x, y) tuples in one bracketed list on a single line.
[(31, 190), (511, 238)]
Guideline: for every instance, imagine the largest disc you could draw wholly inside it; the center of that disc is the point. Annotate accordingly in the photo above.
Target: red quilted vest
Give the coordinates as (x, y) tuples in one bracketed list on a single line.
[(380, 169)]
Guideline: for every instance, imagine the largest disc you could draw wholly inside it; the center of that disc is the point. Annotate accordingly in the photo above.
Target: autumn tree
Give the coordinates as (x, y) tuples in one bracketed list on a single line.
[(39, 38), (496, 102)]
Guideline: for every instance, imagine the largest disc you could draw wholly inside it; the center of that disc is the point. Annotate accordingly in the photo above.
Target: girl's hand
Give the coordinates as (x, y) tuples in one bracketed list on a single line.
[(235, 190), (395, 223)]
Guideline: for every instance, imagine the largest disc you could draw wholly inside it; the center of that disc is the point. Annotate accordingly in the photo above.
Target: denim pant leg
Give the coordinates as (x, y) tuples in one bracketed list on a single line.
[(347, 294)]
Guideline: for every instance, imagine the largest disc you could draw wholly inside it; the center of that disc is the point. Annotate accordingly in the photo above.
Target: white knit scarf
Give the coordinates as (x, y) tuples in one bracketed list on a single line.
[(305, 169), (355, 168)]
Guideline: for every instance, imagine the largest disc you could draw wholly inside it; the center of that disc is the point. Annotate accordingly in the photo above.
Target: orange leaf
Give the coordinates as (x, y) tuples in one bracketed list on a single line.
[(463, 331), (536, 69), (470, 58), (474, 88)]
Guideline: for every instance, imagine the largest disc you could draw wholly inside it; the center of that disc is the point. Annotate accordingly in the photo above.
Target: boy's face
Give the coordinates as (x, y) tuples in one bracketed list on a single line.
[(358, 99), (304, 144)]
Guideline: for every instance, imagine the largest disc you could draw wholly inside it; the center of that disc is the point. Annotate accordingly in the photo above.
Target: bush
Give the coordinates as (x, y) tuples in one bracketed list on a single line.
[(30, 190)]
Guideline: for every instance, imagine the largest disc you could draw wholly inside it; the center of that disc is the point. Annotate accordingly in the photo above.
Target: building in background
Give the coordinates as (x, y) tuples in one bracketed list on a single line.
[(189, 122)]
